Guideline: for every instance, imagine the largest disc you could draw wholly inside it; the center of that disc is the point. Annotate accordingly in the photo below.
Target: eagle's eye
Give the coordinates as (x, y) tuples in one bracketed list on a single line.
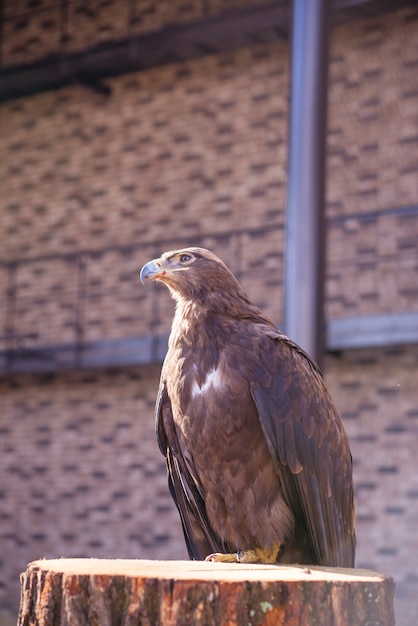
[(185, 258)]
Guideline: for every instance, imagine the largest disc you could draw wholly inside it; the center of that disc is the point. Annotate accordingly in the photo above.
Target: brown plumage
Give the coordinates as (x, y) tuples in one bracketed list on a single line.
[(258, 461)]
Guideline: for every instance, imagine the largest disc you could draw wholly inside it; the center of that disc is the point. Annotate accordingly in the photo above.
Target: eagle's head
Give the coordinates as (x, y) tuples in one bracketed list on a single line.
[(192, 274)]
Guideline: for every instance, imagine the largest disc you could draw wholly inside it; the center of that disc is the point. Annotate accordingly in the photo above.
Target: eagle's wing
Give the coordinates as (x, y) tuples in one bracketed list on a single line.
[(308, 445), (199, 536)]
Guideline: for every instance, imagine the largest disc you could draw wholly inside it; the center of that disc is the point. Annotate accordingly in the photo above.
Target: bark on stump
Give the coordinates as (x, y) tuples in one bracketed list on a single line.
[(81, 592)]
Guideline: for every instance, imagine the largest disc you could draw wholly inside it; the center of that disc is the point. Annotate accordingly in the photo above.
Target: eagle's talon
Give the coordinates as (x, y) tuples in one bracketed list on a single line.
[(259, 555), (220, 557)]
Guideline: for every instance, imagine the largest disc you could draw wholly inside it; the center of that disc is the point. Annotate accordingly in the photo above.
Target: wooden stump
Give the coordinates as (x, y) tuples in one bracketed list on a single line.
[(77, 592)]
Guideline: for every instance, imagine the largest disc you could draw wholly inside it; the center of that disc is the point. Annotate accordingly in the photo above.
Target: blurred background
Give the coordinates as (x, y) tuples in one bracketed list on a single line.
[(130, 127)]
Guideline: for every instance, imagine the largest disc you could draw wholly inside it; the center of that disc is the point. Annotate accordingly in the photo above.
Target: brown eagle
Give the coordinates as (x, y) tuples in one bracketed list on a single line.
[(259, 464)]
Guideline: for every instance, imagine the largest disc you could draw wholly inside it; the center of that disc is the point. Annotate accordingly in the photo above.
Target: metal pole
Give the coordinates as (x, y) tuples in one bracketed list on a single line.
[(305, 234)]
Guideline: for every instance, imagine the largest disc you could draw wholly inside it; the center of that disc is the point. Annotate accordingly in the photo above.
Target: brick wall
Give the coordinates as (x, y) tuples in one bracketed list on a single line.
[(372, 264), (372, 167), (194, 152), (375, 393), (81, 472), (86, 174)]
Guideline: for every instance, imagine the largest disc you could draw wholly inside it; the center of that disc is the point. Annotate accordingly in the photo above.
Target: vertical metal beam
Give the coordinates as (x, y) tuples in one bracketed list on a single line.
[(305, 233)]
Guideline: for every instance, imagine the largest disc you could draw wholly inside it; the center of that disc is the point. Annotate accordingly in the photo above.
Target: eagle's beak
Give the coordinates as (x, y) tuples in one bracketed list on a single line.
[(150, 270)]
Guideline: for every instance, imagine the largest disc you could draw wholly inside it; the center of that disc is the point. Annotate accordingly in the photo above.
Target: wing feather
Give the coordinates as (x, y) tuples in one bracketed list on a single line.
[(199, 536), (308, 445)]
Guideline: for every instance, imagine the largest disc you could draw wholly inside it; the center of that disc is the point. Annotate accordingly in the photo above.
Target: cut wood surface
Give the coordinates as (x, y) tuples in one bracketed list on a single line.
[(81, 592)]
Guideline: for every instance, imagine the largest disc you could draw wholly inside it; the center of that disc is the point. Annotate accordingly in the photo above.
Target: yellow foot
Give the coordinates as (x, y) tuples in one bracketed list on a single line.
[(219, 557), (259, 555)]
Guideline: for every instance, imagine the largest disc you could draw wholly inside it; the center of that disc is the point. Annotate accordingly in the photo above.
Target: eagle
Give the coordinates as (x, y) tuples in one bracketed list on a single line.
[(259, 464)]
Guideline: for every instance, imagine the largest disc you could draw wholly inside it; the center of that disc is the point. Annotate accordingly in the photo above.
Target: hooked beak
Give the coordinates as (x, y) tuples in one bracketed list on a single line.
[(150, 270)]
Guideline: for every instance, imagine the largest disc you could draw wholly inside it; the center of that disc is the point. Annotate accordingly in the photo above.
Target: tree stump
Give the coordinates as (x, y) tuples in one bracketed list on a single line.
[(81, 592)]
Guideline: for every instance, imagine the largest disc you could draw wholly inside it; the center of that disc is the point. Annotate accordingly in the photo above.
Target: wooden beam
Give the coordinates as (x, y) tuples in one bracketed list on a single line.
[(172, 43), (350, 333), (99, 354), (372, 331)]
